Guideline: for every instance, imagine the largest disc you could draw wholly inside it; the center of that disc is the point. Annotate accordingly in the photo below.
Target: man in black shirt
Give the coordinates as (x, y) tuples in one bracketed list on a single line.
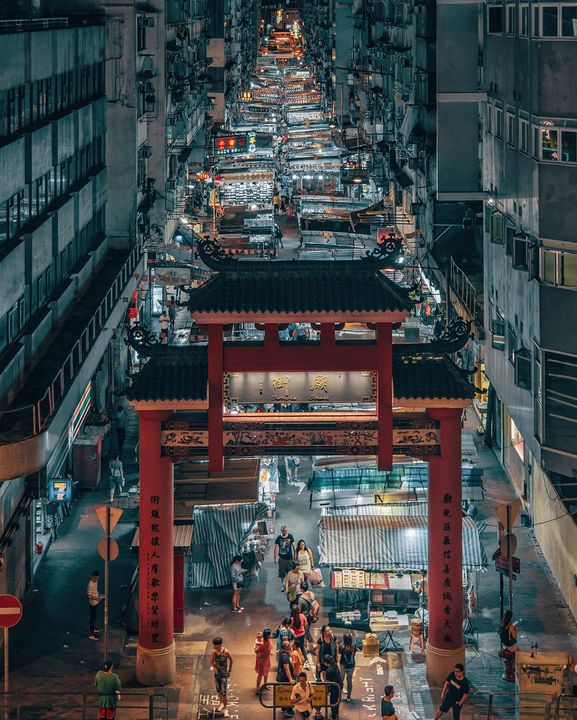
[(387, 707), (285, 672), (284, 552), (455, 692), (333, 675)]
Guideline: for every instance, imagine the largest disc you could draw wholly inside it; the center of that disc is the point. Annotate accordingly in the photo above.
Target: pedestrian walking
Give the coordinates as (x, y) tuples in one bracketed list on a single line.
[(304, 558), (326, 646), (299, 627), (508, 637), (237, 577), (387, 707), (292, 586), (120, 422), (221, 665), (52, 520), (454, 693), (333, 675), (347, 661), (164, 321), (284, 632), (301, 696), (94, 598), (263, 652), (109, 687), (172, 312), (297, 658), (285, 671), (283, 552), (310, 609), (116, 476)]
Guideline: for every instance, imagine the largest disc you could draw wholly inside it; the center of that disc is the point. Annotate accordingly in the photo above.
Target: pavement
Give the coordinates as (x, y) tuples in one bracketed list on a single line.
[(51, 652)]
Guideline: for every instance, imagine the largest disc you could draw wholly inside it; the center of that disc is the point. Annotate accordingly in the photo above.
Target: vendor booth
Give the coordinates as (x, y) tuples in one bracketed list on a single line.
[(378, 562)]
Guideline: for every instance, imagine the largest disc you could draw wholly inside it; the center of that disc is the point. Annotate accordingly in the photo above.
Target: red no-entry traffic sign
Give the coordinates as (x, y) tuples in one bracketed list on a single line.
[(10, 611)]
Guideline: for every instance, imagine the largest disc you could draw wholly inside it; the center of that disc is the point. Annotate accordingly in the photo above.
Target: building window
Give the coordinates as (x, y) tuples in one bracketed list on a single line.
[(549, 21), (568, 21), (511, 19), (517, 442), (553, 21), (490, 117), (523, 369), (520, 251), (495, 19), (561, 402), (557, 144), (497, 228), (511, 129), (524, 136), (524, 20), (498, 331), (511, 342), (558, 268), (499, 122)]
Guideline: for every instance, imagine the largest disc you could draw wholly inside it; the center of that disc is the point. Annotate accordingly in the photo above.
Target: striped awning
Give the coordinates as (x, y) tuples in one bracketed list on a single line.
[(388, 543), (219, 533), (181, 535)]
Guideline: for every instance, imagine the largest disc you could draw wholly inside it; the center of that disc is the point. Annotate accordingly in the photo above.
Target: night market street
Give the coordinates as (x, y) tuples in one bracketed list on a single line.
[(288, 360)]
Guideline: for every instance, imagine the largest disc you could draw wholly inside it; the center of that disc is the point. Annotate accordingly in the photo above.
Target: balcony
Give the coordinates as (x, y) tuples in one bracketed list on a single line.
[(32, 425)]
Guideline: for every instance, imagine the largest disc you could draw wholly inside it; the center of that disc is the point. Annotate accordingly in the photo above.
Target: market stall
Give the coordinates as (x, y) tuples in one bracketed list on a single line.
[(378, 561)]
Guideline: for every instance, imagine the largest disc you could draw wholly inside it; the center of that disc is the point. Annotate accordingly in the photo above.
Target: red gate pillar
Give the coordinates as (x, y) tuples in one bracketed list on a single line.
[(384, 335), (215, 398), (445, 595), (155, 655)]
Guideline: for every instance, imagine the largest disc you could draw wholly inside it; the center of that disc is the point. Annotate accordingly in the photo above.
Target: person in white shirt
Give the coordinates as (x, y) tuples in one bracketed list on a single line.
[(116, 476), (301, 696)]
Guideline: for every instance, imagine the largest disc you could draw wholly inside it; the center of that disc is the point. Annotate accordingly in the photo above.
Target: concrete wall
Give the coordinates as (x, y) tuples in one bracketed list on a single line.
[(558, 539), (458, 166), (13, 573)]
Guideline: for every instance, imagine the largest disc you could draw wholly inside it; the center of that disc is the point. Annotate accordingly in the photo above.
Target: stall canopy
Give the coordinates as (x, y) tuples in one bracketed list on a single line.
[(388, 543), (219, 533)]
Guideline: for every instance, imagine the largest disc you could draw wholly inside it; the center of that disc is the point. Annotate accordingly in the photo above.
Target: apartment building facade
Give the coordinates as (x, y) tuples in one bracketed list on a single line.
[(529, 170), (64, 284)]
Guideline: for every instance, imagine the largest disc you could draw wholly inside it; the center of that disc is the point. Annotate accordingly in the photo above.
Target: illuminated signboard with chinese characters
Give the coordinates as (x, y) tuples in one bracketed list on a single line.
[(234, 144), (303, 387)]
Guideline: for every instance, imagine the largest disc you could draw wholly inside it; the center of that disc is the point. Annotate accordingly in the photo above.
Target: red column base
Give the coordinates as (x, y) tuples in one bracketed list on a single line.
[(156, 667), (441, 662)]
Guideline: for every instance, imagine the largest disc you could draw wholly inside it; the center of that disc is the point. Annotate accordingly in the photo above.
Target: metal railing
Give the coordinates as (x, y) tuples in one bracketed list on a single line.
[(465, 289), (82, 706), (523, 706), (32, 24), (30, 420)]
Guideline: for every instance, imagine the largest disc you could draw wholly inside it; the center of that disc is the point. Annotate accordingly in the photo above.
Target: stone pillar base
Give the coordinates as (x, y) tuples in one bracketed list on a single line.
[(441, 662), (156, 667)]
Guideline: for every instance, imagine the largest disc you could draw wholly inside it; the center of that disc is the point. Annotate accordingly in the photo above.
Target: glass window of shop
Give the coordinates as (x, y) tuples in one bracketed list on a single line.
[(517, 442)]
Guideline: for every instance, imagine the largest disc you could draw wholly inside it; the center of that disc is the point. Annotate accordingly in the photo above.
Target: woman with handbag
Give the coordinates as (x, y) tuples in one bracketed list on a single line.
[(301, 696), (304, 559), (237, 578)]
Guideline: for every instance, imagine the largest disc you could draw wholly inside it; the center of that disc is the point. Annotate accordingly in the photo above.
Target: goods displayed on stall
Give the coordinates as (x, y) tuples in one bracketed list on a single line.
[(378, 561), (268, 485)]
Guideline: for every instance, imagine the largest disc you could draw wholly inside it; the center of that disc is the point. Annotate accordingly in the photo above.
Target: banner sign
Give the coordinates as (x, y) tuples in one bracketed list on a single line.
[(300, 387), (253, 438)]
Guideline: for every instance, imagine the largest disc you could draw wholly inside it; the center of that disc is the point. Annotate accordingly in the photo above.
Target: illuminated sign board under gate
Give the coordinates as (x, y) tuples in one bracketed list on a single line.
[(300, 387)]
